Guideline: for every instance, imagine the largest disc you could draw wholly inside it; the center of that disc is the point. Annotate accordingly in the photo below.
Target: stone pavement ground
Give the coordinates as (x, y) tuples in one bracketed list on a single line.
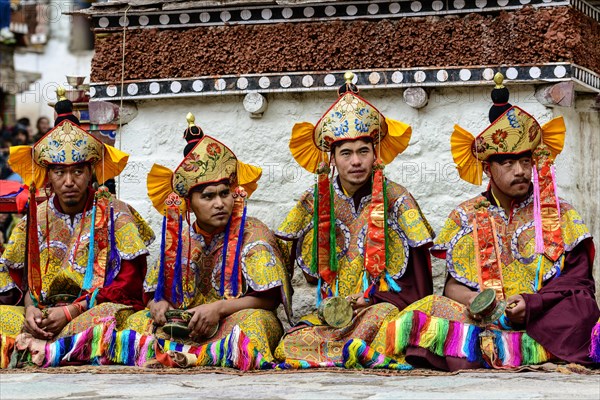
[(313, 385)]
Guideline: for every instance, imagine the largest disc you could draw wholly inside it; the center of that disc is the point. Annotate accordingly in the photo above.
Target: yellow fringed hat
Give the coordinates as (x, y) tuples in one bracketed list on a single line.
[(350, 117), (66, 144), (208, 161), (511, 131)]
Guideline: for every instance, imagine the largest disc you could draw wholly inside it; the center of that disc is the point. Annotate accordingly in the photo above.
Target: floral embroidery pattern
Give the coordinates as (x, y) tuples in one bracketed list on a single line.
[(499, 136)]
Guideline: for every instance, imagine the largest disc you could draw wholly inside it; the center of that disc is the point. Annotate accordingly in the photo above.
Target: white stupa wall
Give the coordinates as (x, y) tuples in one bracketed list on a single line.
[(426, 168)]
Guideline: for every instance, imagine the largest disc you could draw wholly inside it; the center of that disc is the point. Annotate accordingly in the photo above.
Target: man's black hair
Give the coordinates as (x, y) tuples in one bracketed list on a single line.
[(498, 158), (335, 145), (200, 188)]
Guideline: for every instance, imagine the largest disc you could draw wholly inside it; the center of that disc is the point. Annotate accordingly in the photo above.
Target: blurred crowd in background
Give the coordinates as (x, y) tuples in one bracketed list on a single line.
[(22, 133)]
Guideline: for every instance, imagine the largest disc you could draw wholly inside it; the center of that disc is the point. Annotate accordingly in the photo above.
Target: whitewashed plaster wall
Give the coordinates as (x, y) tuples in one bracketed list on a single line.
[(426, 168), (53, 64)]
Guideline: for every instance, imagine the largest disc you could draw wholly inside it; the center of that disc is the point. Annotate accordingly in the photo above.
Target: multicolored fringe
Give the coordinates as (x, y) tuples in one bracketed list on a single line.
[(88, 346), (357, 354), (595, 343), (7, 344), (454, 339)]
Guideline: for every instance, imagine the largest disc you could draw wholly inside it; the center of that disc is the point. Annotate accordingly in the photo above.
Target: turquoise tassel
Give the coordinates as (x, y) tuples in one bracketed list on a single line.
[(319, 295), (392, 283), (89, 270)]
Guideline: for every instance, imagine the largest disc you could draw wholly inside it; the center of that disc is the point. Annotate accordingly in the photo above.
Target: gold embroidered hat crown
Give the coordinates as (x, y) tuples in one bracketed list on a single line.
[(66, 144), (206, 160), (350, 117), (511, 131)]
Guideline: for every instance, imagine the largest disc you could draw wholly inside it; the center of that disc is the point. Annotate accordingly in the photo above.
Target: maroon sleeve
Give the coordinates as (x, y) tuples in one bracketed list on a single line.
[(416, 282), (562, 314), (274, 293), (13, 297), (128, 286)]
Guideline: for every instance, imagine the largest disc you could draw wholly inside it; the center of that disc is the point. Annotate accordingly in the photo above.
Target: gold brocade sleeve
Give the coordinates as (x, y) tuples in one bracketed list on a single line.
[(298, 220), (132, 232), (13, 256)]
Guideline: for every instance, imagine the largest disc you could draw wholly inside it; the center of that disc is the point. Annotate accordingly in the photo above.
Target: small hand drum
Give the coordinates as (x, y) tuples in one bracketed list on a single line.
[(58, 300), (486, 308), (177, 323), (335, 312)]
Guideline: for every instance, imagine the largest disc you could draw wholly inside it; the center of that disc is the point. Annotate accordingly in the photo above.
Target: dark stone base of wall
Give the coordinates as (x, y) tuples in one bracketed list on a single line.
[(553, 34)]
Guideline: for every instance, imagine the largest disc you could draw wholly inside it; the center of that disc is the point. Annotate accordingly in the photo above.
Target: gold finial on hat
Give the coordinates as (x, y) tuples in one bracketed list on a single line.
[(60, 93), (499, 78), (190, 119), (348, 76)]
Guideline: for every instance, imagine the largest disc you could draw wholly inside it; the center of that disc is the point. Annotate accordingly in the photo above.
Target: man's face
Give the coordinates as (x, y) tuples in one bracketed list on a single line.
[(70, 184), (511, 176), (354, 162), (212, 206)]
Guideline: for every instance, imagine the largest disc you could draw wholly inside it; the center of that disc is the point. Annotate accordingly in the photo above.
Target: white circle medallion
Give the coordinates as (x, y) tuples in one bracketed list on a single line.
[(103, 22), (394, 8), (144, 20), (351, 10), (512, 73), (374, 78), (560, 71), (242, 83), (488, 74), (204, 17), (246, 15), (198, 85), (535, 72), (111, 90), (285, 81), (92, 91), (175, 86), (220, 84), (132, 89), (416, 6), (184, 18), (373, 9), (264, 82), (154, 87), (397, 77), (164, 19), (266, 13), (309, 12), (459, 4), (442, 75), (329, 80), (307, 81), (420, 76), (464, 74), (287, 13), (225, 16)]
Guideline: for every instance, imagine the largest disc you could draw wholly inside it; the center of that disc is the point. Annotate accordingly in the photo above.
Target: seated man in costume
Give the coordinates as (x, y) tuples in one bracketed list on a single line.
[(79, 257), (360, 237), (225, 267), (520, 289)]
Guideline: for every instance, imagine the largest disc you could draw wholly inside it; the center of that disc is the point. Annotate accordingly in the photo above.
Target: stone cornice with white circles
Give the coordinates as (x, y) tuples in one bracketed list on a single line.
[(371, 79), (266, 14)]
